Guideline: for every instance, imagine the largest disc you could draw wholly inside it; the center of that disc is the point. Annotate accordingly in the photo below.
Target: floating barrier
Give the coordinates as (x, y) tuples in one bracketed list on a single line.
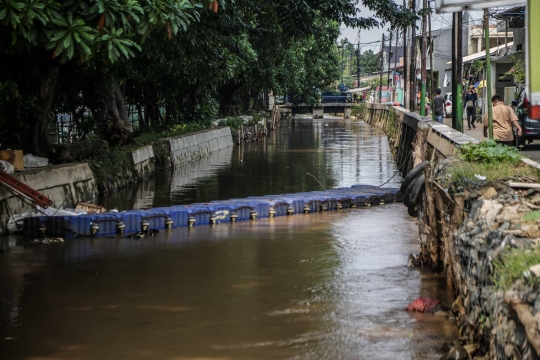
[(212, 213)]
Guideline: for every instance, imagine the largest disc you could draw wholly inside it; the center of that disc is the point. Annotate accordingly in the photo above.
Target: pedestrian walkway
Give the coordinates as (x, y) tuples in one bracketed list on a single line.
[(477, 133)]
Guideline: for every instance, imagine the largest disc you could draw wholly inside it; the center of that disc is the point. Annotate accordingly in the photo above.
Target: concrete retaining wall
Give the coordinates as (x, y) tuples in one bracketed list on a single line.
[(64, 184), (143, 162), (185, 148), (401, 125)]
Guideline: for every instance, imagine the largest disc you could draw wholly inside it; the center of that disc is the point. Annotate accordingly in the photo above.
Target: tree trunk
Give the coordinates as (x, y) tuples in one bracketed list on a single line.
[(226, 99), (38, 135), (110, 110)]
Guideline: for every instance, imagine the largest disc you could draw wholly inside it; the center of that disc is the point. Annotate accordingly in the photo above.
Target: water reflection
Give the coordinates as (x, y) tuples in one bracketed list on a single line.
[(337, 152), (321, 286)]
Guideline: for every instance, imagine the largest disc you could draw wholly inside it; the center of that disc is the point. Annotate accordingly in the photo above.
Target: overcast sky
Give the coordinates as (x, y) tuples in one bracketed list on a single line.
[(438, 21)]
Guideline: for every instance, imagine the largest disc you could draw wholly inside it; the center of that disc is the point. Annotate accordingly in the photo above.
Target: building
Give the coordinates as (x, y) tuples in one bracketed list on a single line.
[(507, 46)]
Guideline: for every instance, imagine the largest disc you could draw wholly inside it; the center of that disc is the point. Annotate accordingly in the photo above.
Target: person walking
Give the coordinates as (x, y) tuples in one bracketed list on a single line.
[(503, 120), (438, 106), (470, 105)]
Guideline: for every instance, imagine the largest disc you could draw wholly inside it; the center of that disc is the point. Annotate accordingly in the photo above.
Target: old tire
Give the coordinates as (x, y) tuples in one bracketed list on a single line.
[(407, 194), (409, 179), (417, 189), (415, 195), (411, 209)]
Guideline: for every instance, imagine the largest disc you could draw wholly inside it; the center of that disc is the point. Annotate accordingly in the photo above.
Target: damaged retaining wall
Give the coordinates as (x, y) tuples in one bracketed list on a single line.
[(464, 232), (64, 184)]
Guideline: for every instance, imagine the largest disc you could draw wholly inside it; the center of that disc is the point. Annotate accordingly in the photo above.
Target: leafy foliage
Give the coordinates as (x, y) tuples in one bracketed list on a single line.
[(81, 29), (517, 71), (169, 61), (489, 152)]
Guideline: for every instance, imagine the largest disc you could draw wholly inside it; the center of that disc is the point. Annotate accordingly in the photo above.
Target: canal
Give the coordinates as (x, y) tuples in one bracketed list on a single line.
[(321, 286)]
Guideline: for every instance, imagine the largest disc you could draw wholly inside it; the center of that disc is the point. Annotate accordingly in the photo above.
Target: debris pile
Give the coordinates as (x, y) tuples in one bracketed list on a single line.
[(496, 320), (46, 241), (249, 133)]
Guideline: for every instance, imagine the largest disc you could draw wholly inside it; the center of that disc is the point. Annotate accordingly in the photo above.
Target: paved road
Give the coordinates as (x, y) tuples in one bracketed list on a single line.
[(531, 151)]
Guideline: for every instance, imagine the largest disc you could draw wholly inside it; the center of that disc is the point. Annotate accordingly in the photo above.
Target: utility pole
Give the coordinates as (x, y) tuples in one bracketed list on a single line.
[(488, 74), (424, 57), (457, 71), (382, 70), (395, 66), (432, 87), (412, 84), (406, 54), (358, 61), (389, 62), (342, 65)]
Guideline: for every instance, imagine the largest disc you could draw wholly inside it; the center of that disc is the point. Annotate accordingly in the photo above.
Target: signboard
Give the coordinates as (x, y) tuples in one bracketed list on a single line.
[(533, 54), (450, 6)]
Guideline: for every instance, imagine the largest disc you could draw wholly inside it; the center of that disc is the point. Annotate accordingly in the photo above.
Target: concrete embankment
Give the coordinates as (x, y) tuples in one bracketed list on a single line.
[(68, 184), (175, 151), (482, 235)]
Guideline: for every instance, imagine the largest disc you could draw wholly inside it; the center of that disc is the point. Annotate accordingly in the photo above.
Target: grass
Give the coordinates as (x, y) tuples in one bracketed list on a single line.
[(531, 216), (514, 265), (463, 172)]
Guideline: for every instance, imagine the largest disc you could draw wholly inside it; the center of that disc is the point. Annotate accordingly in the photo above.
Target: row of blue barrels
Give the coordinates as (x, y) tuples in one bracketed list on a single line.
[(206, 213)]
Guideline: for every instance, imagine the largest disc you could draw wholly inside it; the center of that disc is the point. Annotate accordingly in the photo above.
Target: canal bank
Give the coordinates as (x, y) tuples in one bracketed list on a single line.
[(325, 285), (67, 184), (478, 226)]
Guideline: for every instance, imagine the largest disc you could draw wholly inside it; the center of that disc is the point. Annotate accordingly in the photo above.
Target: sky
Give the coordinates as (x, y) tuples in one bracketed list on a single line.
[(438, 21)]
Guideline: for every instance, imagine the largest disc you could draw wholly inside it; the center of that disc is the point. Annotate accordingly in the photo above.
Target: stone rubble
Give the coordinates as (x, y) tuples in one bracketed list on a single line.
[(492, 322)]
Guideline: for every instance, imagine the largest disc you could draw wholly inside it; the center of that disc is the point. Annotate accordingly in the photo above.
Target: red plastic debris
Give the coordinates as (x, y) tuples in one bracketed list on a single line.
[(422, 304)]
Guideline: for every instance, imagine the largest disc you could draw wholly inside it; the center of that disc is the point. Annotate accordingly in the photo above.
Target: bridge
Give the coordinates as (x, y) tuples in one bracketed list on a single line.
[(320, 109)]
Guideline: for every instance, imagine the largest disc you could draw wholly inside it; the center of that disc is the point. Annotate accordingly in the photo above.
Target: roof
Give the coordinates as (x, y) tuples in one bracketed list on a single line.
[(482, 54), (357, 90)]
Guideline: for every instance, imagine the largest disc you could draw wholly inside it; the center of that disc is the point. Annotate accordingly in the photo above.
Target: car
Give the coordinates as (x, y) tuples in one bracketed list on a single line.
[(448, 105), (530, 128)]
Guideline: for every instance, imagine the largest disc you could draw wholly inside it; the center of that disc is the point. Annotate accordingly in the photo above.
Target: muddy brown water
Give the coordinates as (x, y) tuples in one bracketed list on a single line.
[(321, 286)]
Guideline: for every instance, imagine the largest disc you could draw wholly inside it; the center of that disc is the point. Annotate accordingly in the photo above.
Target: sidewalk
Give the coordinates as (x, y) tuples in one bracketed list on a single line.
[(532, 151), (477, 133)]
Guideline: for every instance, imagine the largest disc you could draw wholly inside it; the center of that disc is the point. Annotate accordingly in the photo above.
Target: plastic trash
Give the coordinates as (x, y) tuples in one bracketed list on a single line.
[(31, 161), (422, 304), (6, 167)]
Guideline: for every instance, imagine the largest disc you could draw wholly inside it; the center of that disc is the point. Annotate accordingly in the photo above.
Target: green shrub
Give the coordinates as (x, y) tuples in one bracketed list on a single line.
[(489, 152), (232, 122), (180, 129)]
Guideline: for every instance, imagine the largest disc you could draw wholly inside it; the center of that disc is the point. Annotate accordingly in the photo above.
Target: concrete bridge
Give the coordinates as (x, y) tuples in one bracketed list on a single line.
[(319, 110)]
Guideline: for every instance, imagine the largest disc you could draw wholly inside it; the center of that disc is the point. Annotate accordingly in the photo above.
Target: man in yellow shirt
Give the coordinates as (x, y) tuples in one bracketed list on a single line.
[(503, 120)]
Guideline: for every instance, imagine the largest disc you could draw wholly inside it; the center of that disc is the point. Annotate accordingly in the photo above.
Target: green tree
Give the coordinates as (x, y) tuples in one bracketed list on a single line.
[(370, 62), (171, 60), (51, 34)]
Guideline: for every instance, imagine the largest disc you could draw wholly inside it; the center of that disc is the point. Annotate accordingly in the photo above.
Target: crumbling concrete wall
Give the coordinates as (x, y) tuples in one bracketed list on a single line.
[(64, 184)]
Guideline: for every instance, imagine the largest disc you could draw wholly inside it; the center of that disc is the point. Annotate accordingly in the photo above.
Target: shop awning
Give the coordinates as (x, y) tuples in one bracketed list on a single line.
[(482, 54)]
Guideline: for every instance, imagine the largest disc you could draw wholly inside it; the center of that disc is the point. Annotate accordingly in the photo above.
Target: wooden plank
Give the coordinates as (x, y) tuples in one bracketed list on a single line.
[(524, 185)]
